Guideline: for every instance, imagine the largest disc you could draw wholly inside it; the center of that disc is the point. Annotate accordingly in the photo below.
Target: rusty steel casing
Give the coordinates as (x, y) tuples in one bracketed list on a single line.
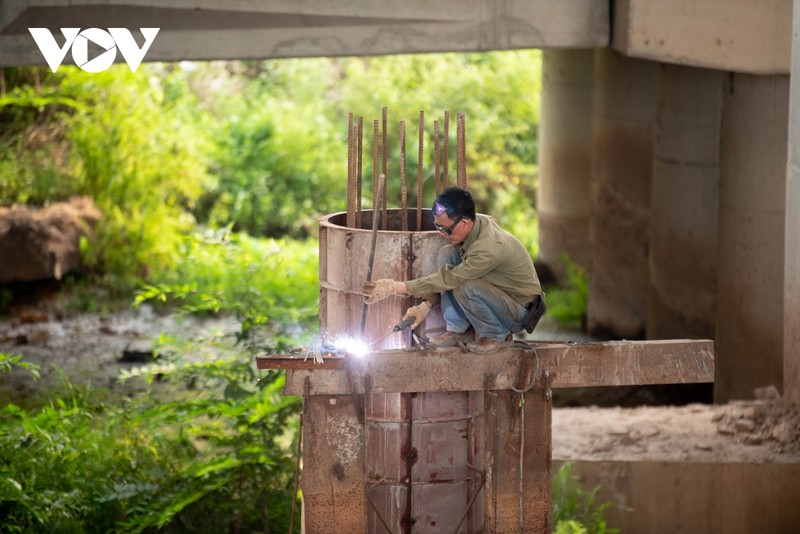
[(444, 448), (344, 263)]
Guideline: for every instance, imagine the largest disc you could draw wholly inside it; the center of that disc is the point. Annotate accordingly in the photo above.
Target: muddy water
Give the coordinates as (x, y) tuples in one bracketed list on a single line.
[(91, 349)]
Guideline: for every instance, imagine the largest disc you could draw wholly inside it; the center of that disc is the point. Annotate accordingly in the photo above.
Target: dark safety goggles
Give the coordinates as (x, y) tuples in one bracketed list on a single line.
[(447, 230)]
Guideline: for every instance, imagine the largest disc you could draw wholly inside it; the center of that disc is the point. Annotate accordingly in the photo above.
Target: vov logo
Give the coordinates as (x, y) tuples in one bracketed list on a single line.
[(109, 41)]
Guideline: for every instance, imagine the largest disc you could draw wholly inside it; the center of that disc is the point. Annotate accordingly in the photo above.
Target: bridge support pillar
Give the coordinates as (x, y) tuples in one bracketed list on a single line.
[(683, 232), (749, 336), (624, 111), (565, 159)]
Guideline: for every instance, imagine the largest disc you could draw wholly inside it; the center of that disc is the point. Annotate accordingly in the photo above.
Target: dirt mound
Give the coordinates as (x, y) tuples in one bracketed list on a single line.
[(761, 430), (44, 244)]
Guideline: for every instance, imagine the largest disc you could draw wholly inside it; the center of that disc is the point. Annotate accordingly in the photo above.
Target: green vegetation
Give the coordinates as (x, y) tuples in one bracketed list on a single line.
[(568, 304), (212, 453), (575, 510), (264, 282), (210, 178)]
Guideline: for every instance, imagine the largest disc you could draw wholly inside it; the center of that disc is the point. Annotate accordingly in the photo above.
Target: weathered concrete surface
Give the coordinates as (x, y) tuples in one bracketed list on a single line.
[(44, 244), (613, 363), (565, 159), (749, 338), (683, 234), (669, 497), (791, 269), (728, 35), (624, 111), (244, 29)]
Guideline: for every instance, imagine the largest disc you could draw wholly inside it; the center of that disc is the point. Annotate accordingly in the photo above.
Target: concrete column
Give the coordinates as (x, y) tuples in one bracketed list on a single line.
[(752, 219), (565, 159), (624, 111), (791, 270), (683, 230)]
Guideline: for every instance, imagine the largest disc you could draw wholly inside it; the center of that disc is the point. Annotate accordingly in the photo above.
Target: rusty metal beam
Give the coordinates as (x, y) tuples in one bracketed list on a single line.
[(612, 363)]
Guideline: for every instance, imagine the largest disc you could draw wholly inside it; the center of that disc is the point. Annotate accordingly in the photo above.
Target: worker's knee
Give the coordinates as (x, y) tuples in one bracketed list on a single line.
[(471, 291), (448, 255)]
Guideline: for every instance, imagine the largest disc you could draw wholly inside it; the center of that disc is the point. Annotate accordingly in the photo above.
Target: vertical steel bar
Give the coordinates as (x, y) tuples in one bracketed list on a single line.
[(384, 125), (446, 150), (350, 179), (436, 176), (375, 163), (461, 163), (359, 136), (376, 217), (403, 184), (410, 457), (420, 153)]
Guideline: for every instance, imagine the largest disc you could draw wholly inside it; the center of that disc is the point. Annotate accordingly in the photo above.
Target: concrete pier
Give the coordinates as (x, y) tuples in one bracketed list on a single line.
[(683, 232), (749, 339), (565, 159), (624, 111)]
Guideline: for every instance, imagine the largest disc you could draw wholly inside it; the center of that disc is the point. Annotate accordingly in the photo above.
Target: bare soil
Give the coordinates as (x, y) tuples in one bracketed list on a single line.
[(754, 431)]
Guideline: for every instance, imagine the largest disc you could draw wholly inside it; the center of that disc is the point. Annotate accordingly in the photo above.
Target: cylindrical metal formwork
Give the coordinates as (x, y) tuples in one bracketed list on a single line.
[(425, 446), (423, 464), (344, 262)]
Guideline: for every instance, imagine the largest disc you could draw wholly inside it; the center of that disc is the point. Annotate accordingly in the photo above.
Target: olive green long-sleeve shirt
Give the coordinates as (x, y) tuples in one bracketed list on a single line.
[(490, 254)]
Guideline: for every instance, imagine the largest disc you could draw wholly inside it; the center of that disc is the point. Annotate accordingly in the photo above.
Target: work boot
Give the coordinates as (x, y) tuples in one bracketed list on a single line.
[(451, 339), (488, 345)]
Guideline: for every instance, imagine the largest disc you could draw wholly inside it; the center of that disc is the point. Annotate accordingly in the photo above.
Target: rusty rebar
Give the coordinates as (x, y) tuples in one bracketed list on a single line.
[(376, 217), (384, 125), (410, 455), (419, 168), (350, 220), (446, 150), (461, 164), (403, 183), (375, 162), (359, 135), (436, 176)]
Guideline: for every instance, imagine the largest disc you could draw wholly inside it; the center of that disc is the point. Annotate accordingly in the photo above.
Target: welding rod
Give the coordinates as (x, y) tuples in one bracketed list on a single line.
[(376, 216), (405, 323)]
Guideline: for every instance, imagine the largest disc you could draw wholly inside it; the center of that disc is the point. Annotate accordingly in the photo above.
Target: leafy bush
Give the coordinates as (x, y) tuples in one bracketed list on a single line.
[(134, 143), (270, 285), (568, 304), (213, 455), (575, 510), (258, 146), (278, 159)]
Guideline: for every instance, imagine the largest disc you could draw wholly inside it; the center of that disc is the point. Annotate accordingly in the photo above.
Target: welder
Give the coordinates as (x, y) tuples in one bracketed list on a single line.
[(486, 283)]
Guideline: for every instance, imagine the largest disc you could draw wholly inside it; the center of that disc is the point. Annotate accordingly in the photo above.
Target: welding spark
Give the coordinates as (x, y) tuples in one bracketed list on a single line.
[(352, 345)]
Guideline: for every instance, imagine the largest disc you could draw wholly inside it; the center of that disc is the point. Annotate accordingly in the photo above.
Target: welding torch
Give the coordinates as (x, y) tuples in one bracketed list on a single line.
[(402, 325)]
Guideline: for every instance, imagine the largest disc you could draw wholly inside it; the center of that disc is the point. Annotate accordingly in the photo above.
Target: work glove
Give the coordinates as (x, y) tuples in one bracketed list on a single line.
[(418, 313), (378, 290)]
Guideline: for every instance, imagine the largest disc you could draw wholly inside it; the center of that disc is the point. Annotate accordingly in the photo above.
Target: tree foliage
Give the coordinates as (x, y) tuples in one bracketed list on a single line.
[(260, 146)]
